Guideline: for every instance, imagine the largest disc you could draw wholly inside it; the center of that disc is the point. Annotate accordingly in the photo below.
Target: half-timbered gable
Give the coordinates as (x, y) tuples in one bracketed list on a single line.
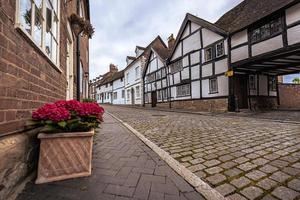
[(155, 75), (198, 61)]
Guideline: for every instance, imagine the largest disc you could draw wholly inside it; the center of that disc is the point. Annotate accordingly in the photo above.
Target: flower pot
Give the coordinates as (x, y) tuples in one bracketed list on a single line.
[(64, 156)]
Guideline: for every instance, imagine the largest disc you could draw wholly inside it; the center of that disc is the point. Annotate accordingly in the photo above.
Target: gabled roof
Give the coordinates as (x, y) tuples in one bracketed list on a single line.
[(131, 57), (139, 47), (147, 51), (200, 22), (161, 49), (112, 77), (248, 12), (117, 75)]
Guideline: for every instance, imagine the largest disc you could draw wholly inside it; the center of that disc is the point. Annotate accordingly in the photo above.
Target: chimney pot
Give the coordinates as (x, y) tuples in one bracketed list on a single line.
[(171, 41)]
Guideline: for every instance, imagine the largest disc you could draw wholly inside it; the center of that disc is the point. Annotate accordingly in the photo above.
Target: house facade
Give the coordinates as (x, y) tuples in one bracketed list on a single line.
[(37, 66), (118, 91), (231, 64)]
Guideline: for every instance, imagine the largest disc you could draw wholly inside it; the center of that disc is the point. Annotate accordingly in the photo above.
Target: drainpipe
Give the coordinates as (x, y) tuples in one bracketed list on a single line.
[(78, 58)]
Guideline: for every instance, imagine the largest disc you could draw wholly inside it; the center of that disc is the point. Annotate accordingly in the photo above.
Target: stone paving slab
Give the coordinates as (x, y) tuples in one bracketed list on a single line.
[(124, 168), (242, 157)]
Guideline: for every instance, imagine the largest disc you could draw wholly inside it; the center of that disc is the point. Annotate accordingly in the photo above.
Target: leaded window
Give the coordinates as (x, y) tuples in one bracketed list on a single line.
[(151, 77), (183, 90), (39, 19), (176, 67), (272, 83), (220, 49), (267, 30), (213, 85), (252, 82), (208, 54)]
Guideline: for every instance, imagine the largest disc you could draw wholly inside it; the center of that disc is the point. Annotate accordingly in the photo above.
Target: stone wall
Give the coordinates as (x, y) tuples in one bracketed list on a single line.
[(19, 155), (261, 103), (289, 96)]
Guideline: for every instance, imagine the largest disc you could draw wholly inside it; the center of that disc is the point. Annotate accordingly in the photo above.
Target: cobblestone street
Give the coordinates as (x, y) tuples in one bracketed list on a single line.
[(241, 157)]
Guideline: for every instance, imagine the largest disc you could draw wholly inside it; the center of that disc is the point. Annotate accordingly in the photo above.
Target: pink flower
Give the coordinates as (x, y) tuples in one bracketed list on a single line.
[(51, 112)]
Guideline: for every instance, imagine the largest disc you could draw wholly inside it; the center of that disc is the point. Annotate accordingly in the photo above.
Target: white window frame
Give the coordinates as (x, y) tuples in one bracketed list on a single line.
[(223, 52), (211, 89), (137, 72), (137, 91), (18, 25)]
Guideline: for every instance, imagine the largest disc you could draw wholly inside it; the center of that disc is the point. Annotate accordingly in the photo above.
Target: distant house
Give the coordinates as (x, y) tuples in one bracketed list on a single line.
[(133, 73), (118, 91), (37, 66)]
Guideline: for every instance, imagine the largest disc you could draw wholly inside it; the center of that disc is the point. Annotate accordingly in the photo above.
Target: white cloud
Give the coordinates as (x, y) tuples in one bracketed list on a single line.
[(120, 25)]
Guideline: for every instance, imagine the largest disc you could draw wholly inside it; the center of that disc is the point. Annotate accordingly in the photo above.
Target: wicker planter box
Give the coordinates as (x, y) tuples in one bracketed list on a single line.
[(64, 156)]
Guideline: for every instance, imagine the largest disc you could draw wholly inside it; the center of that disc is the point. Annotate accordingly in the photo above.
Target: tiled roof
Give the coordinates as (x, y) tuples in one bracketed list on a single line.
[(248, 12)]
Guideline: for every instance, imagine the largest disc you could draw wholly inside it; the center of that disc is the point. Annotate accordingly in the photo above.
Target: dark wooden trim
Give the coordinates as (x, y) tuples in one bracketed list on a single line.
[(249, 44), (284, 32), (257, 92), (215, 60), (293, 24), (239, 45)]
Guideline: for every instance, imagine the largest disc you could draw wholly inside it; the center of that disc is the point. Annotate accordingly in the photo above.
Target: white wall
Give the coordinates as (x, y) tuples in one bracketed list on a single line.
[(209, 37), (105, 90), (239, 38), (293, 35), (267, 45), (222, 87), (118, 86), (240, 53), (293, 14)]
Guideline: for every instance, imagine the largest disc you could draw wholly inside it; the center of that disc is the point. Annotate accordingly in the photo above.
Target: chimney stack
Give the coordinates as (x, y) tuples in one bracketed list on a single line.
[(113, 68), (171, 41)]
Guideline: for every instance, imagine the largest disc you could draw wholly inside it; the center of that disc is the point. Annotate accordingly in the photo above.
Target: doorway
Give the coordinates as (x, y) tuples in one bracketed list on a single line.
[(132, 96), (153, 98), (69, 65), (241, 90)]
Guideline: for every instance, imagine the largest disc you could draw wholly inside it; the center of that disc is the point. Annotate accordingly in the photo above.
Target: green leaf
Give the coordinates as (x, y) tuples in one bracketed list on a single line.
[(49, 122), (62, 124), (49, 129)]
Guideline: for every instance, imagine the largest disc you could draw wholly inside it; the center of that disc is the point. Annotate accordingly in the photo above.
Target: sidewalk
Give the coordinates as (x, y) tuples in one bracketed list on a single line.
[(123, 168)]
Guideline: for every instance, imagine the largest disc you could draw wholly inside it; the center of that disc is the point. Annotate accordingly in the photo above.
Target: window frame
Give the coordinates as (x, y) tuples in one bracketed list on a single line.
[(272, 83), (205, 54), (42, 47), (179, 66), (181, 87), (216, 49), (137, 73), (211, 91), (137, 91), (252, 85)]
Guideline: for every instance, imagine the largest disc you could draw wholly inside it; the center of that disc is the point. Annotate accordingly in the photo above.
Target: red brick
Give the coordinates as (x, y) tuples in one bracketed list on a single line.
[(10, 115), (289, 95)]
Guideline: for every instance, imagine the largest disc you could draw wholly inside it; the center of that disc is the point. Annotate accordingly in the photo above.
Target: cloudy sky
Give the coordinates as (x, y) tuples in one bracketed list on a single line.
[(120, 25)]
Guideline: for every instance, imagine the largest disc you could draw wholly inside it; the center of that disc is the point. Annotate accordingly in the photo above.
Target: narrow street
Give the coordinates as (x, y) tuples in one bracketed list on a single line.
[(241, 157), (123, 168)]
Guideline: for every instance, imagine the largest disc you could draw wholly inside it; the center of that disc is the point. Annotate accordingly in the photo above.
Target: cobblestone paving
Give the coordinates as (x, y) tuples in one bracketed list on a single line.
[(123, 169), (243, 158)]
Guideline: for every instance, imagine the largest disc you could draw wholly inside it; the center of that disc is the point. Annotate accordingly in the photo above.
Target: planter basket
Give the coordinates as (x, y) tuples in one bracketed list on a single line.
[(64, 156)]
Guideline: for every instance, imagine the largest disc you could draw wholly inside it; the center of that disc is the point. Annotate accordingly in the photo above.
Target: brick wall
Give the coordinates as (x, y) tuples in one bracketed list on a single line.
[(289, 96), (28, 79)]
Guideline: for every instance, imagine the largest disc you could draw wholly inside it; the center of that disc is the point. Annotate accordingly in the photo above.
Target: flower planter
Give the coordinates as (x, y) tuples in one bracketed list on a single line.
[(64, 156)]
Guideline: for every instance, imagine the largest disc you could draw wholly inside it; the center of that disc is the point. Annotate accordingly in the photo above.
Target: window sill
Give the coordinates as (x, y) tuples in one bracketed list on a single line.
[(31, 41), (213, 93), (183, 96)]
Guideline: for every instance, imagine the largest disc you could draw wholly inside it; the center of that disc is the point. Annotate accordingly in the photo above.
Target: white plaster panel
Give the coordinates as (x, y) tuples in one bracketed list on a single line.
[(194, 26), (293, 35), (239, 54), (177, 52), (239, 38), (267, 45), (192, 43), (158, 84), (185, 61), (207, 70), (195, 89), (176, 78), (185, 73), (273, 93), (160, 64), (209, 37), (195, 57), (222, 87), (195, 73), (173, 92), (293, 14), (186, 31), (164, 83), (221, 66)]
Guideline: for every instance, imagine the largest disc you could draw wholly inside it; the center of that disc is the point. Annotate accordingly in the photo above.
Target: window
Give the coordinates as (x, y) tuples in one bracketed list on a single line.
[(208, 53), (42, 28), (115, 95), (176, 67), (252, 82), (81, 77), (220, 49), (163, 72), (213, 85), (151, 77), (267, 30), (137, 72), (127, 78), (158, 74), (183, 90), (159, 95), (272, 83), (123, 93), (164, 94), (137, 91)]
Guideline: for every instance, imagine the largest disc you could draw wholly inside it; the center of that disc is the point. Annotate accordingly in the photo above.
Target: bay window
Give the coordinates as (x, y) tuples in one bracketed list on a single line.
[(39, 19)]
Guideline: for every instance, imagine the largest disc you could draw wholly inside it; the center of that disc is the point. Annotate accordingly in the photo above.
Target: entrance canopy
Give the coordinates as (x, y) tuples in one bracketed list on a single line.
[(279, 62)]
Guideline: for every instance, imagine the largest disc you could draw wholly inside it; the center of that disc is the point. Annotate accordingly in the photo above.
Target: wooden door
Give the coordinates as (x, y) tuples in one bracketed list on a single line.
[(241, 91), (153, 99)]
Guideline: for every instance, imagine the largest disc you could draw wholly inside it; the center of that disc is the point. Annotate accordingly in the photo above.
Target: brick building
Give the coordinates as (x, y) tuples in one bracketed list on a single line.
[(37, 65)]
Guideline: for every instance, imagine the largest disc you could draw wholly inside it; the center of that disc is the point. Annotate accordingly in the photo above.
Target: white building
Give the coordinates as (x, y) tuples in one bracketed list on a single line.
[(118, 91)]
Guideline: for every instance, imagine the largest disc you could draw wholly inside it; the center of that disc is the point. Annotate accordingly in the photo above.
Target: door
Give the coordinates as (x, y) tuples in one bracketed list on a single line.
[(241, 91), (132, 96), (69, 65), (153, 99)]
